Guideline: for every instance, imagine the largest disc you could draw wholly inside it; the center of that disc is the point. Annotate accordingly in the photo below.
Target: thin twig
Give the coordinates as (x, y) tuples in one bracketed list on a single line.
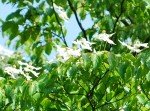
[(90, 93), (76, 16), (106, 103)]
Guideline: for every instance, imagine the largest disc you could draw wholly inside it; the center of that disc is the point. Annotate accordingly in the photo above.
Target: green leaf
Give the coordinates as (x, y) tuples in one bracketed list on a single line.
[(83, 14), (72, 71), (10, 28), (87, 60), (122, 69), (96, 60), (35, 44), (48, 48), (147, 105), (1, 20), (112, 61), (3, 1), (128, 74), (37, 96), (33, 88), (148, 62), (16, 17), (148, 76), (142, 98), (46, 103)]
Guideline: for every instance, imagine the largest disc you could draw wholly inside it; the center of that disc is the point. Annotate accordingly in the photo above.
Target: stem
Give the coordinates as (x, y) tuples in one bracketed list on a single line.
[(118, 17), (79, 23), (91, 92)]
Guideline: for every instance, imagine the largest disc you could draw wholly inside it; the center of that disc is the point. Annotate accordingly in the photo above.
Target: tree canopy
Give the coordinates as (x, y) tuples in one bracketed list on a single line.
[(105, 69)]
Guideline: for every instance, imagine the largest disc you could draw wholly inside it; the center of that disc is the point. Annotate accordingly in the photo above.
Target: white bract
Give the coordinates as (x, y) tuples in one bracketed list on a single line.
[(105, 37), (137, 44), (135, 47), (84, 43), (24, 70), (13, 72), (61, 12), (66, 52), (29, 66)]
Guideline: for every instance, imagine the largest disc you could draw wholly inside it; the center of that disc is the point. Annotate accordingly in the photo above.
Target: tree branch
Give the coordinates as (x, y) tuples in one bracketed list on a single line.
[(76, 16), (63, 35), (91, 92), (118, 17)]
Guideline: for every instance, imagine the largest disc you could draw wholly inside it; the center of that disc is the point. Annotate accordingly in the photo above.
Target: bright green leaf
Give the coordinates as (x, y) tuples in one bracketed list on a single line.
[(141, 98)]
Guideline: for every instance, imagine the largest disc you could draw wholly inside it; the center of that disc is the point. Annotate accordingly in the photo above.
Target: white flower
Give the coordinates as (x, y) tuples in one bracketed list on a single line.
[(30, 70), (135, 47), (28, 77), (84, 43), (61, 12), (74, 53), (105, 37), (29, 66), (23, 70), (66, 52), (137, 44), (13, 72)]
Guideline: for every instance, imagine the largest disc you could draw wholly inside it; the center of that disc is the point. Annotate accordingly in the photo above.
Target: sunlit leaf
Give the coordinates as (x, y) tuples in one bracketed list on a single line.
[(148, 76), (141, 98)]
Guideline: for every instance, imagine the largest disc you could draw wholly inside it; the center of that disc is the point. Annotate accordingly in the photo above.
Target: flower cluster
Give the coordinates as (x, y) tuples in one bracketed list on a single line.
[(24, 70), (105, 37), (135, 47), (84, 44), (66, 53)]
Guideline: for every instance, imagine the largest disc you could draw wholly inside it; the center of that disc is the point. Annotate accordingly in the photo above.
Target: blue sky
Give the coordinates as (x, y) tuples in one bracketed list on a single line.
[(72, 26)]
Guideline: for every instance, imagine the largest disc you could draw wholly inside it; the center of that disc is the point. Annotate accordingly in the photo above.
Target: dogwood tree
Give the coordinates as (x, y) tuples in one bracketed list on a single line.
[(105, 69)]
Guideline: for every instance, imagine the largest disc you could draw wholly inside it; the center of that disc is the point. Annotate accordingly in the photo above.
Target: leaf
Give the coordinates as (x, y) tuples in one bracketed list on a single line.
[(128, 73), (35, 44), (33, 88), (147, 105), (112, 61), (141, 98), (96, 60), (87, 60), (148, 62), (83, 14), (1, 20), (148, 76), (122, 69), (46, 103), (72, 72), (36, 96), (48, 48), (16, 17), (10, 28), (3, 1)]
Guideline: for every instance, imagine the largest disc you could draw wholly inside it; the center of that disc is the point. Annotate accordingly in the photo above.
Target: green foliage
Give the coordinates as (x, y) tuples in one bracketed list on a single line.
[(94, 77)]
